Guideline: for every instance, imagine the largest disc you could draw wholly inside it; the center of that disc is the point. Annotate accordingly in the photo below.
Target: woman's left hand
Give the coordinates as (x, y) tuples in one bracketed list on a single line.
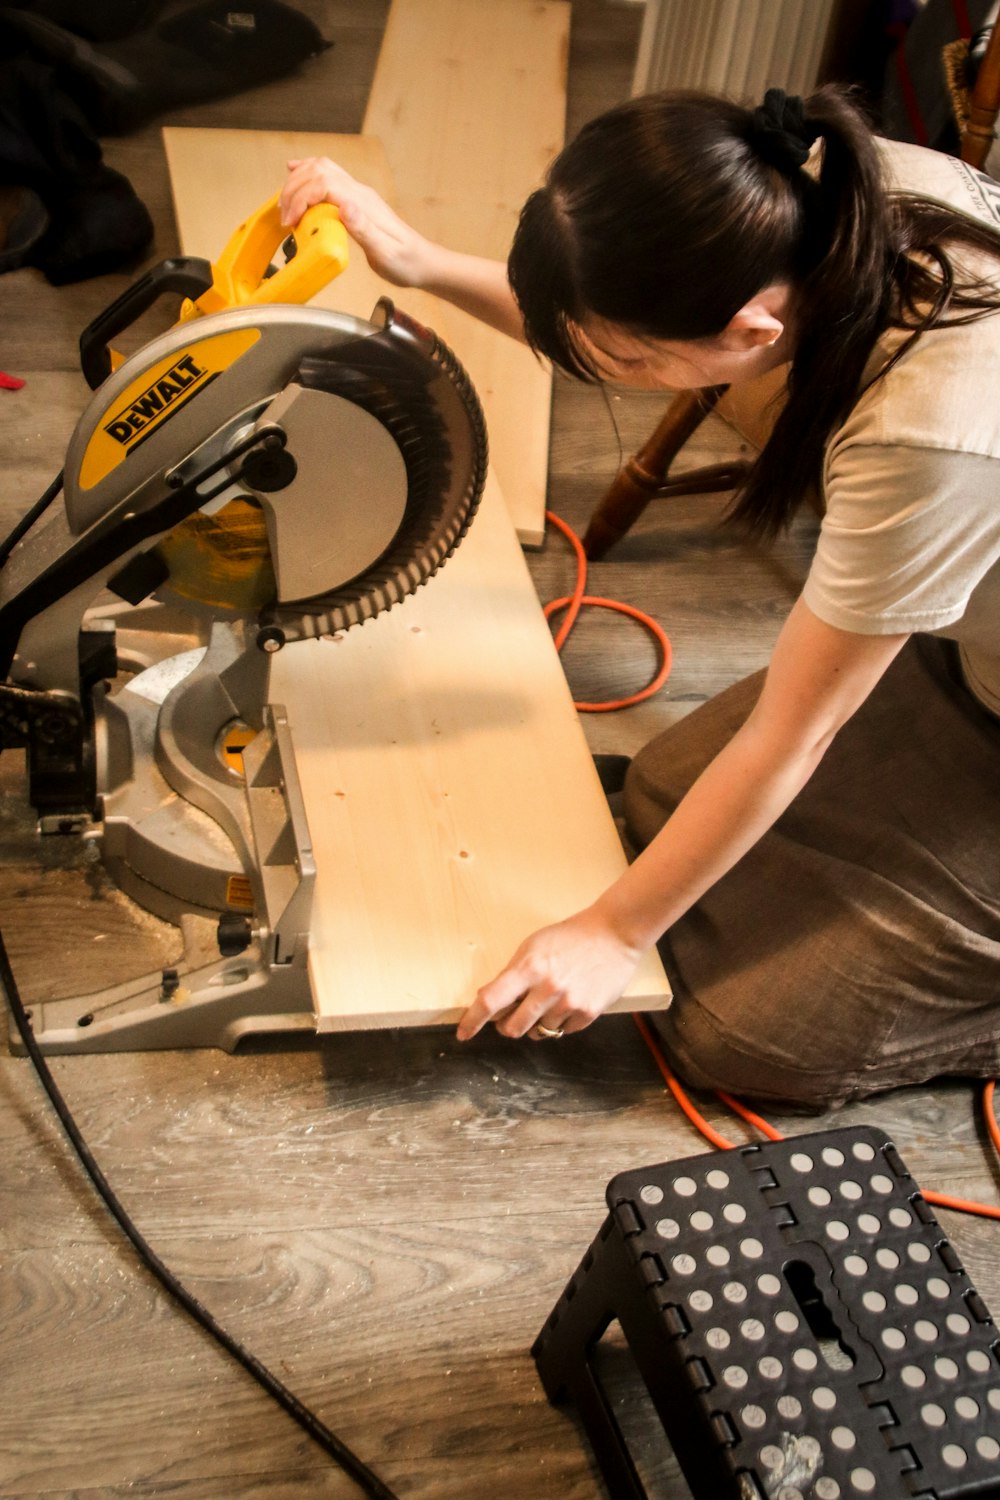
[(559, 980)]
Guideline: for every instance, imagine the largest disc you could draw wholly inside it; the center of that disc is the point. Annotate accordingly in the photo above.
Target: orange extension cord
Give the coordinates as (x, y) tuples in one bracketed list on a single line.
[(572, 603), (941, 1200)]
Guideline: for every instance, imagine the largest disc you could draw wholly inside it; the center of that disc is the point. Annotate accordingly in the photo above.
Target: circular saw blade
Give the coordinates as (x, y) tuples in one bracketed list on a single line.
[(408, 379)]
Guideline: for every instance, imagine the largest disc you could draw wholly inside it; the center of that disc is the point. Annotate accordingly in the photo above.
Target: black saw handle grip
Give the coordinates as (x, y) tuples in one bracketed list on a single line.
[(187, 274)]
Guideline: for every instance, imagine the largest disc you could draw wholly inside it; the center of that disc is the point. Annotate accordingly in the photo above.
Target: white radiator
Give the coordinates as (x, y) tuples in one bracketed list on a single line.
[(735, 47)]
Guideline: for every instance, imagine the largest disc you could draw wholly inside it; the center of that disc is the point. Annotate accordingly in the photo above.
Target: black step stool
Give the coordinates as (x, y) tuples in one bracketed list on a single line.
[(802, 1325)]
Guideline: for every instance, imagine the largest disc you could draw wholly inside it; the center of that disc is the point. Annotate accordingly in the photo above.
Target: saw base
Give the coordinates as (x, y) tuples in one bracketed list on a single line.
[(202, 1003), (210, 838)]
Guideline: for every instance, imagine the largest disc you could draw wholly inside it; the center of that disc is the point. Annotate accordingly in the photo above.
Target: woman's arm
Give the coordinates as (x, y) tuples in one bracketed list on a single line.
[(569, 974), (396, 251)]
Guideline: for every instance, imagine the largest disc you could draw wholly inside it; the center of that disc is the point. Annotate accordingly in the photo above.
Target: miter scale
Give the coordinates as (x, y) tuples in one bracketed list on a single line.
[(261, 474)]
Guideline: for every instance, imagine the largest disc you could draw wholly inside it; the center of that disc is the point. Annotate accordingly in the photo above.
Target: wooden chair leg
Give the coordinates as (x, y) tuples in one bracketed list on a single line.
[(645, 475), (984, 105)]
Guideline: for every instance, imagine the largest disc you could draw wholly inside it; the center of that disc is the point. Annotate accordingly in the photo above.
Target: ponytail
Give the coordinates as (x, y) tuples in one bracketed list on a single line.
[(843, 300)]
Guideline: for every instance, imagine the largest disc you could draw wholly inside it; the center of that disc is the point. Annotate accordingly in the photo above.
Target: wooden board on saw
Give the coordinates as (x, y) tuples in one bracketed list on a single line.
[(469, 100), (451, 797), (453, 803)]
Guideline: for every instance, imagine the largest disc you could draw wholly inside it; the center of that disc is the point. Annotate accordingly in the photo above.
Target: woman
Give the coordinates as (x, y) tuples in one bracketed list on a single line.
[(819, 846)]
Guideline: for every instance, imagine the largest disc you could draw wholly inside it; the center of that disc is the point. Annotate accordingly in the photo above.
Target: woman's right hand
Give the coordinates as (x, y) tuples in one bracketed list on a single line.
[(393, 250)]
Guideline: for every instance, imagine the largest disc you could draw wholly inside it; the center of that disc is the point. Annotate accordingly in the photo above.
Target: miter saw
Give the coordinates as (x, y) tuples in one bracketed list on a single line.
[(261, 474)]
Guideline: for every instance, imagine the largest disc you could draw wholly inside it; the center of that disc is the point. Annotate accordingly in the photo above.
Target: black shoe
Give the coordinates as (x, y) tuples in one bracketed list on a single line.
[(611, 770), (23, 220)]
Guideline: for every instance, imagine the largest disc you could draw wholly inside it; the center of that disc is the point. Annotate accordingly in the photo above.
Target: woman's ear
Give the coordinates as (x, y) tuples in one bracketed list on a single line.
[(759, 323)]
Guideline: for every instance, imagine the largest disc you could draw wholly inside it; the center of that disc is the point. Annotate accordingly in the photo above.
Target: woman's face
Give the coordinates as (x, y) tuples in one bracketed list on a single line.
[(650, 364)]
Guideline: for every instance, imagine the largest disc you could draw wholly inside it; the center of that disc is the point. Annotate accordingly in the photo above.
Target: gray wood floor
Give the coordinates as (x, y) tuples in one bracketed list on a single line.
[(386, 1220)]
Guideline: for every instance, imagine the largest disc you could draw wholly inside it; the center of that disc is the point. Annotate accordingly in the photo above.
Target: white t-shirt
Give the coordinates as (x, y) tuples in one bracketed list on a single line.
[(910, 539)]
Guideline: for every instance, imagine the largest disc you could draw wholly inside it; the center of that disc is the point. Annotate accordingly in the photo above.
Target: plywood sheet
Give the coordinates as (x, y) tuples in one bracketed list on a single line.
[(469, 100), (451, 796)]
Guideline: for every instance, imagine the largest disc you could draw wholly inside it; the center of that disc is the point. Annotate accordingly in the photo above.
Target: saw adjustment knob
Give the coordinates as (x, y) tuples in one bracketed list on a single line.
[(269, 468), (270, 638), (233, 934)]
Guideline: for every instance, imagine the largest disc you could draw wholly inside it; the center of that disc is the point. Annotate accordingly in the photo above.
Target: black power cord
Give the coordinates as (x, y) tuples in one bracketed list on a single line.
[(364, 1477), (29, 518), (368, 1481), (307, 1419)]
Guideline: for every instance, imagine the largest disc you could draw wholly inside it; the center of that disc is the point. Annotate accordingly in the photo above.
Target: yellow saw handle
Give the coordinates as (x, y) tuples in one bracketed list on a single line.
[(239, 276), (237, 279)]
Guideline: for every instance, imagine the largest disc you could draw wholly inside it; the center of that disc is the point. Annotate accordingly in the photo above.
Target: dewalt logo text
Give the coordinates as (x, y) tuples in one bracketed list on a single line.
[(157, 393), (164, 393)]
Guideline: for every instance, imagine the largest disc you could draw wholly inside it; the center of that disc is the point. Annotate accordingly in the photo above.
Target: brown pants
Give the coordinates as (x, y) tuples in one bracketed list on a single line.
[(856, 947)]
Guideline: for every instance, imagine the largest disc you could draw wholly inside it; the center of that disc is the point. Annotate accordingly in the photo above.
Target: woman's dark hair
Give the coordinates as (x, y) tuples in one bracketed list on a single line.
[(665, 216)]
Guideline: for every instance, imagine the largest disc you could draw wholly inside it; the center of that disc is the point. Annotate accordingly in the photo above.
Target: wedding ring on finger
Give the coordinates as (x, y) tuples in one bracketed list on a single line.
[(544, 1033)]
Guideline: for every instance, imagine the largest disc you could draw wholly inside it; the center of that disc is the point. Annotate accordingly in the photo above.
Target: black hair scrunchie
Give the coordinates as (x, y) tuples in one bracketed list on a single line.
[(781, 132)]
